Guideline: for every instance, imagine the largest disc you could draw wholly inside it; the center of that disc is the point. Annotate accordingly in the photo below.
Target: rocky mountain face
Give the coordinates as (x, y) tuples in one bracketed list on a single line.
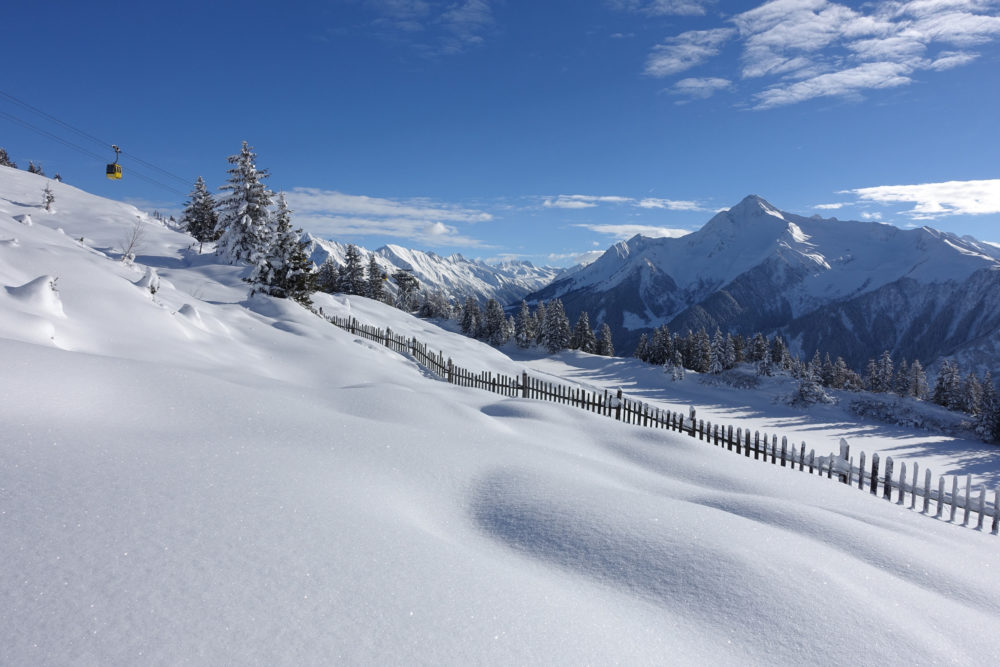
[(848, 288), (457, 277)]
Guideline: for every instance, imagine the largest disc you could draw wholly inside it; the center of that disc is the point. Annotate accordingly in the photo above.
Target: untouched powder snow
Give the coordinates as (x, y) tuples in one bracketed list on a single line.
[(194, 477)]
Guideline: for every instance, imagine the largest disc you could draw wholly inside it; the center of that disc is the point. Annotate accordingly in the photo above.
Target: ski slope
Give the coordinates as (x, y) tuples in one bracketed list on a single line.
[(195, 477)]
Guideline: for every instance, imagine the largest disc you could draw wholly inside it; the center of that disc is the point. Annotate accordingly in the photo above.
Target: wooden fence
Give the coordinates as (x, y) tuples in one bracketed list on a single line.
[(874, 476)]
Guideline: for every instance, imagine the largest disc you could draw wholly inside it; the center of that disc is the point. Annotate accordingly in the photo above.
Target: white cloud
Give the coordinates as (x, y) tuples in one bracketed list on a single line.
[(686, 50), (622, 232), (830, 207), (582, 201), (935, 200), (806, 49), (337, 215), (700, 88), (434, 26), (662, 7), (574, 258), (669, 204), (870, 215)]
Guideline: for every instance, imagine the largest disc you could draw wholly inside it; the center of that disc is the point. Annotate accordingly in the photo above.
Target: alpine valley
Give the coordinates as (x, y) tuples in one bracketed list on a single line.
[(850, 289)]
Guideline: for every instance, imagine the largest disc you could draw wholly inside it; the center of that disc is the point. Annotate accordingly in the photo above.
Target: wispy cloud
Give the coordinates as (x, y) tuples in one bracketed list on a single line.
[(622, 232), (662, 7), (434, 26), (830, 207), (936, 200), (700, 88), (591, 201), (805, 49), (339, 215), (686, 50)]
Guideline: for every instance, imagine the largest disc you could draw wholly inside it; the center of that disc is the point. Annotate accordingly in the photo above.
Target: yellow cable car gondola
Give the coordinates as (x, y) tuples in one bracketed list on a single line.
[(114, 170)]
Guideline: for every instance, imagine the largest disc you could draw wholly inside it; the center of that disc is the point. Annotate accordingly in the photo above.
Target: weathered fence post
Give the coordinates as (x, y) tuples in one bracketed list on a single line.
[(618, 405), (845, 455), (756, 445), (784, 446), (940, 497), (913, 487), (887, 488), (954, 497), (982, 506), (449, 370), (861, 472), (874, 488), (802, 456), (968, 498), (902, 483), (996, 511), (927, 491), (524, 384)]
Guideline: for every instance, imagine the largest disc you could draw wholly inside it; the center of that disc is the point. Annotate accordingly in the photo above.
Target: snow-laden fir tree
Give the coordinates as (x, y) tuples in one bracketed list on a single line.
[(352, 273), (988, 419), (200, 219), (583, 337), (435, 304), (918, 381), (540, 315), (5, 160), (948, 386), (901, 381), (556, 329), (244, 211), (717, 353), (972, 394), (284, 270), (524, 326), (327, 278), (642, 348), (605, 347), (676, 368), (758, 348), (471, 319), (48, 197), (376, 278), (408, 290), (35, 168), (494, 330)]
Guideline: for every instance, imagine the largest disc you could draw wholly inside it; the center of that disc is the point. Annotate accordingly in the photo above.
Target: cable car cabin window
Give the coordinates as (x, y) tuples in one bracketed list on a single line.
[(114, 171)]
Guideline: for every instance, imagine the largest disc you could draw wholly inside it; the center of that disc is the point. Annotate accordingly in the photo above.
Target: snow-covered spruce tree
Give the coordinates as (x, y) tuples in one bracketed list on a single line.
[(471, 319), (717, 353), (352, 273), (200, 219), (901, 380), (436, 304), (556, 332), (540, 315), (779, 352), (48, 197), (972, 394), (5, 160), (988, 419), (660, 350), (284, 269), (244, 211), (677, 367), (583, 337), (605, 347), (495, 324), (524, 326), (642, 348), (408, 290), (35, 168), (918, 381), (376, 278), (326, 277), (948, 386)]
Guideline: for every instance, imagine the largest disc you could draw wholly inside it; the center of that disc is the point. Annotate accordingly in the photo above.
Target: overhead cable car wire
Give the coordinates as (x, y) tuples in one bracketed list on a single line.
[(87, 135), (85, 151)]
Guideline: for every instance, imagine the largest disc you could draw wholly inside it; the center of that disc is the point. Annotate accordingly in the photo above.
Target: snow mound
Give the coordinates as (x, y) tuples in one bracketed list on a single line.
[(9, 243), (40, 295), (24, 219), (150, 281)]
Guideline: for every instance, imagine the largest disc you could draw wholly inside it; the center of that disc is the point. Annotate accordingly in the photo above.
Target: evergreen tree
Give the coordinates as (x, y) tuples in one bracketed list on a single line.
[(988, 419), (677, 367), (284, 269), (327, 279), (5, 160), (901, 382), (352, 276), (779, 352), (605, 347), (642, 348), (495, 323), (409, 286), (35, 168), (918, 381), (471, 319), (541, 312), (717, 353), (376, 280), (660, 347), (701, 352), (948, 386), (557, 333), (436, 304), (524, 330), (583, 337), (199, 218), (48, 197), (972, 394), (245, 211)]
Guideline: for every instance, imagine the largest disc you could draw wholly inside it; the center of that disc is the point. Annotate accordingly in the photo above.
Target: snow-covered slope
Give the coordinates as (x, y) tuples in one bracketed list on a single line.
[(193, 477), (455, 276), (754, 267)]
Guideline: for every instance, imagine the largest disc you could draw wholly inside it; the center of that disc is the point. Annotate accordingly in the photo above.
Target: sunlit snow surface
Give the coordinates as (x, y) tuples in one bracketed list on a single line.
[(192, 477)]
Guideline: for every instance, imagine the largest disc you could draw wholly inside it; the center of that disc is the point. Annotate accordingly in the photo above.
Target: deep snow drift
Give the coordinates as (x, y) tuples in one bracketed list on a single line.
[(189, 476)]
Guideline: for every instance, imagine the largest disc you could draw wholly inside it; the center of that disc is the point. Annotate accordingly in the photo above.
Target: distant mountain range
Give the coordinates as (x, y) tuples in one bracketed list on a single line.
[(848, 288), (457, 277)]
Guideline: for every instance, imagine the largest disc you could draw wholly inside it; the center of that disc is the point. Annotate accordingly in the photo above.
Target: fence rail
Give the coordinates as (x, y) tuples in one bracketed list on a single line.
[(876, 476)]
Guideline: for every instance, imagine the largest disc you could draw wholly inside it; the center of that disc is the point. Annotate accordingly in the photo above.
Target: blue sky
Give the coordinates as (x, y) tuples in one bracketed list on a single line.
[(537, 130)]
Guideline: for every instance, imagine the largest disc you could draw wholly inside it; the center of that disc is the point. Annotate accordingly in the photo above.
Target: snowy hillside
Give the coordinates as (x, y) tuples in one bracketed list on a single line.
[(825, 283), (456, 276), (189, 476)]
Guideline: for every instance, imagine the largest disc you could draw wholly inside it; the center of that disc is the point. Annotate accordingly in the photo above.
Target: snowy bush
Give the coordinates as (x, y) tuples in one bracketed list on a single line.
[(810, 392)]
